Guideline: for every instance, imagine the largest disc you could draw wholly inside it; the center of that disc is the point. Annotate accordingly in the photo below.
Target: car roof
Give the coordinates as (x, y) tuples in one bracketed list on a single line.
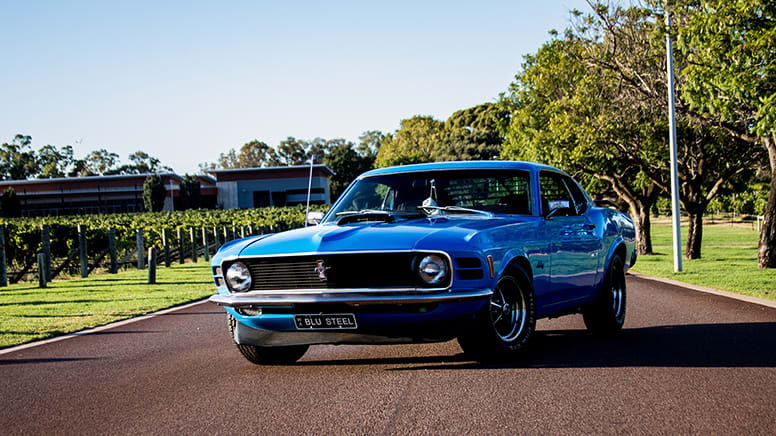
[(461, 165)]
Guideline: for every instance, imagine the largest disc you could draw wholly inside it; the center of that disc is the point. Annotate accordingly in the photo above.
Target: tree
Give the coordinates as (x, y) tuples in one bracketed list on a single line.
[(471, 134), (595, 102), (731, 81), (564, 115), (347, 163), (10, 206), (154, 193), (190, 193), (370, 143), (17, 160), (292, 151), (255, 154), (100, 162), (414, 142), (54, 163)]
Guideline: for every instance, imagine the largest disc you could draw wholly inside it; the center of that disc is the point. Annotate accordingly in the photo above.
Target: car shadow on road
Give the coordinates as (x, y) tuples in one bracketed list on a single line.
[(691, 346)]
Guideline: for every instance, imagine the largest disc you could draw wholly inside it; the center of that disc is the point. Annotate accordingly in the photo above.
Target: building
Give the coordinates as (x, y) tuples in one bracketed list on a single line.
[(275, 186), (227, 189)]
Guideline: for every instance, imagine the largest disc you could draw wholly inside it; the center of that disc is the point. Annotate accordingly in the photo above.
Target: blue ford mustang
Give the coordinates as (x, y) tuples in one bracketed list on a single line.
[(476, 251)]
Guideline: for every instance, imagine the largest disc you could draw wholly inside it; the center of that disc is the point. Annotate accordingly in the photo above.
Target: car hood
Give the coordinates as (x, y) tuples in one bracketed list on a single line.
[(421, 233)]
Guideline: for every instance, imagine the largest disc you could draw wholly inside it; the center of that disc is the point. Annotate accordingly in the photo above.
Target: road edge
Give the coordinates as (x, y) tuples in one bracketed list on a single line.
[(99, 328), (706, 289)]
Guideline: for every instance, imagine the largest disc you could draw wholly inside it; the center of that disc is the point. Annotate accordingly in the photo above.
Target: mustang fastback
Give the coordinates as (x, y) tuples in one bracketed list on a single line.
[(476, 251)]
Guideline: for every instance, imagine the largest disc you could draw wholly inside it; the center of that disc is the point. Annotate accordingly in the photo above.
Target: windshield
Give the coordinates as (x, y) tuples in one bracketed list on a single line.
[(496, 191)]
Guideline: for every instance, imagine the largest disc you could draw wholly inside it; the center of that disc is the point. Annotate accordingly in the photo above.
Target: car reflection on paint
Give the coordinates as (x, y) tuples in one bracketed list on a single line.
[(476, 251)]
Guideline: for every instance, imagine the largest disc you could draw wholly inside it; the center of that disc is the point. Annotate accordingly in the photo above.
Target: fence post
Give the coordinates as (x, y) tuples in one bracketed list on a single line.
[(180, 245), (114, 264), (215, 236), (166, 244), (45, 242), (140, 249), (226, 237), (242, 231), (193, 245), (151, 265), (205, 243), (82, 251), (42, 269), (3, 269), (234, 233)]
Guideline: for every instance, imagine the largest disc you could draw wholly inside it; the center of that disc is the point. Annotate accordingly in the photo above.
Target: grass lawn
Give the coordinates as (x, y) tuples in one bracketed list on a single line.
[(29, 313), (728, 260)]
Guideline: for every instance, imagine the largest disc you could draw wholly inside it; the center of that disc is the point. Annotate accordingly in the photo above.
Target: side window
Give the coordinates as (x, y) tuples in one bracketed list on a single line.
[(579, 198), (553, 192)]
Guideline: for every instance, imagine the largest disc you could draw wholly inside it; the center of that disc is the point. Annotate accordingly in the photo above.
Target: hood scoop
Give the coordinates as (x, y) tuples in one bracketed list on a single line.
[(382, 217)]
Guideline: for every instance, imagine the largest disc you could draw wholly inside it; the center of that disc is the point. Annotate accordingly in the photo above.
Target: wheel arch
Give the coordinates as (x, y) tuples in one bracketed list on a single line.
[(617, 248), (517, 260)]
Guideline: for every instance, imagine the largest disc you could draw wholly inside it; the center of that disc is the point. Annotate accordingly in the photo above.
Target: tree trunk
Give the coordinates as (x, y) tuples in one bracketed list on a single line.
[(694, 236), (766, 254), (643, 231)]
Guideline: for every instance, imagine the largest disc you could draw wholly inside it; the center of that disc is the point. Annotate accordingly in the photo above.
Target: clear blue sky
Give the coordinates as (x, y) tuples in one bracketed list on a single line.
[(185, 81)]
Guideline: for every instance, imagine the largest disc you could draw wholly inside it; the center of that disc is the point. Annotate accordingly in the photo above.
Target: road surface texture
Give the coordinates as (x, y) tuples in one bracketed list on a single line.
[(686, 362)]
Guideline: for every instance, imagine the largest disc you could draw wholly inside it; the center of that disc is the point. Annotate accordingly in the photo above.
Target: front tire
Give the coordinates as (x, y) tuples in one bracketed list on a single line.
[(268, 355), (606, 314), (503, 328)]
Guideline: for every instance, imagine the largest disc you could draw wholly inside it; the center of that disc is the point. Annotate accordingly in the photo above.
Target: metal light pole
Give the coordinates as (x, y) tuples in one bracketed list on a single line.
[(672, 140)]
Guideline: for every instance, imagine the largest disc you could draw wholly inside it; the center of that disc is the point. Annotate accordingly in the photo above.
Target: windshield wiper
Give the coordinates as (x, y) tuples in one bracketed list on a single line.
[(455, 209), (362, 212)]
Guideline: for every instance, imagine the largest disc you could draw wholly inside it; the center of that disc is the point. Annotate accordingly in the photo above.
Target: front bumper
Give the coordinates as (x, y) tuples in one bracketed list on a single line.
[(351, 297)]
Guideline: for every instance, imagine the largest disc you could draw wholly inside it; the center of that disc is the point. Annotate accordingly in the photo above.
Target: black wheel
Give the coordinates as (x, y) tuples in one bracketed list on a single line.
[(505, 325), (606, 314), (268, 355)]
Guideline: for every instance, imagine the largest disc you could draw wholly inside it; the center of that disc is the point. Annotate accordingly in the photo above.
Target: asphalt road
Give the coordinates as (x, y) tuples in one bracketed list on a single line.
[(686, 362)]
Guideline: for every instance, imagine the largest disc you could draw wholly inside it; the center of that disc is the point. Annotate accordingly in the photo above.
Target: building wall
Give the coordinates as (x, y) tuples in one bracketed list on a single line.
[(240, 194)]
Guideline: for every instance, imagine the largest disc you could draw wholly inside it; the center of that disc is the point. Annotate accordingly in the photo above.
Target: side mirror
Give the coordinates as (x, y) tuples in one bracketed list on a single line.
[(314, 217)]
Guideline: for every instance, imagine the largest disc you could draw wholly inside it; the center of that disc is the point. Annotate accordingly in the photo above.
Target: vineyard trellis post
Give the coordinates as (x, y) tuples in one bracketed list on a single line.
[(42, 270), (180, 245), (205, 243), (193, 245), (215, 236), (226, 238), (234, 233), (242, 231), (114, 265), (151, 265), (3, 269), (45, 242), (82, 251), (166, 245), (140, 248)]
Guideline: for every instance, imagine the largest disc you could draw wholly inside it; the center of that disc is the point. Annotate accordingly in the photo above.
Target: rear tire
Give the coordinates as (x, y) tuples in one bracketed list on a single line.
[(268, 355), (503, 328), (606, 314)]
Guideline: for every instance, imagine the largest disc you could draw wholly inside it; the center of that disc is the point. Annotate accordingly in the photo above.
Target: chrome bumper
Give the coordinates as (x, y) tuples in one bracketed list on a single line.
[(351, 297)]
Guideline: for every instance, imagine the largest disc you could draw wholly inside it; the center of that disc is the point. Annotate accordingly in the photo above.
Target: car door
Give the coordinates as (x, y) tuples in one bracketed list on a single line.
[(574, 246)]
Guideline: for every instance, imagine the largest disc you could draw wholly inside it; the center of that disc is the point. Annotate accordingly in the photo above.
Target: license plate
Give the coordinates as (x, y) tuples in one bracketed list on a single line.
[(338, 321)]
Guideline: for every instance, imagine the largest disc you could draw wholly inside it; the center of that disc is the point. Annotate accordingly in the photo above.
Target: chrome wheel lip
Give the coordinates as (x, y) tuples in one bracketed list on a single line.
[(508, 310)]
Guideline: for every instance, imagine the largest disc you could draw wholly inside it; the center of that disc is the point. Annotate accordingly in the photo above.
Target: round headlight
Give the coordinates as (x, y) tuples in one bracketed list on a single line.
[(238, 277), (432, 269)]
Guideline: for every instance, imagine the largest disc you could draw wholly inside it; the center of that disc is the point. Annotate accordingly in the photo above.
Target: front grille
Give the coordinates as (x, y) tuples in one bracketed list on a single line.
[(342, 271)]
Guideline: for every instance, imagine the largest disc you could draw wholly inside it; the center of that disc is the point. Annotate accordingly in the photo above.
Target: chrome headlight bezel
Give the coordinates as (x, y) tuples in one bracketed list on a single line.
[(433, 269), (238, 277)]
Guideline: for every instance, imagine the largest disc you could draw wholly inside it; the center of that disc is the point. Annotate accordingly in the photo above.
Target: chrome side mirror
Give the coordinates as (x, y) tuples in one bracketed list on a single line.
[(314, 217)]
